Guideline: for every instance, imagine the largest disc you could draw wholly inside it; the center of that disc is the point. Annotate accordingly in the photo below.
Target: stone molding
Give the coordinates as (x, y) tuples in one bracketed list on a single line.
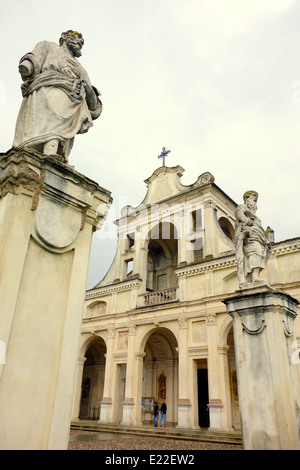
[(280, 248), (212, 265), (120, 287)]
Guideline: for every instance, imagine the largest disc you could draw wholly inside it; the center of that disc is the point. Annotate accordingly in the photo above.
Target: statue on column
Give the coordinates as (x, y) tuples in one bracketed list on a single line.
[(251, 240), (58, 98)]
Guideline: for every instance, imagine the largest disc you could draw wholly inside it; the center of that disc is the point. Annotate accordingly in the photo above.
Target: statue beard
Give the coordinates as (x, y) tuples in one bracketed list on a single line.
[(74, 48), (252, 206)]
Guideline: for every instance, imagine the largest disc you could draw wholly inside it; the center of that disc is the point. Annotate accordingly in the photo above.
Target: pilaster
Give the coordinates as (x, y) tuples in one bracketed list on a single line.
[(109, 379), (129, 401), (215, 404), (184, 402)]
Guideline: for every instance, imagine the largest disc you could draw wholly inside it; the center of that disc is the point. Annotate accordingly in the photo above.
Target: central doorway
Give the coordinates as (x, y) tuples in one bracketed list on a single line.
[(160, 372), (203, 395)]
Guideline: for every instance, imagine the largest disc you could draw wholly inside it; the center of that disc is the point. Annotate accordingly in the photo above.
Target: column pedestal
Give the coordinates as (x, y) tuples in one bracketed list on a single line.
[(215, 414), (184, 414), (48, 213), (268, 377)]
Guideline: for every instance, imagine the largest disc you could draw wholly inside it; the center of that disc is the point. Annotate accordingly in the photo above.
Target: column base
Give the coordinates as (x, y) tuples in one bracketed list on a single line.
[(105, 414), (184, 414), (128, 407), (215, 415)]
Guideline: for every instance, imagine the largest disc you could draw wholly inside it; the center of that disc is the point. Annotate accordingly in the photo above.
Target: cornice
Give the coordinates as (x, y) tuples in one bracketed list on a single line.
[(119, 287)]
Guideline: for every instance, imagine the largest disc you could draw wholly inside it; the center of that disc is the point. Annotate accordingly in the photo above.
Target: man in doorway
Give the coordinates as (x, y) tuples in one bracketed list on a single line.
[(163, 414)]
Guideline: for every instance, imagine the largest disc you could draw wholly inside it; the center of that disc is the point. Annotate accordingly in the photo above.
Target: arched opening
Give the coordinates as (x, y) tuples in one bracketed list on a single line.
[(93, 380), (234, 395), (162, 257), (227, 228), (160, 373)]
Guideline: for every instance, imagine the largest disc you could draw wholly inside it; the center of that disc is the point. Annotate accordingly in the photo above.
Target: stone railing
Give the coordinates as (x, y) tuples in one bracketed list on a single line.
[(158, 297)]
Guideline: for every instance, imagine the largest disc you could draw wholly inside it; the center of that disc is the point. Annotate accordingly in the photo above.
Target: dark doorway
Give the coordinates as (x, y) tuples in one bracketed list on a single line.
[(203, 398)]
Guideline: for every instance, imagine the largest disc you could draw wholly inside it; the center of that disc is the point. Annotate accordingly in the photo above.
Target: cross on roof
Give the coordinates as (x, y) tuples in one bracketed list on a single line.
[(163, 155)]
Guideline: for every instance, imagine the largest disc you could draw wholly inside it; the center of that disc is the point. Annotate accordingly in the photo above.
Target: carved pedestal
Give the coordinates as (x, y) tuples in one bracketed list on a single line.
[(184, 413), (268, 377), (48, 213)]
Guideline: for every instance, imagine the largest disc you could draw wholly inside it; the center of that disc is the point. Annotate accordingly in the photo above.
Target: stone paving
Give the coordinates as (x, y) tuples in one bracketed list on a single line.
[(87, 440)]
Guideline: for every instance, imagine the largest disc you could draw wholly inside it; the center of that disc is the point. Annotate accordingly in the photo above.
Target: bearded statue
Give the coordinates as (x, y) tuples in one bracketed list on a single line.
[(251, 240), (58, 98)]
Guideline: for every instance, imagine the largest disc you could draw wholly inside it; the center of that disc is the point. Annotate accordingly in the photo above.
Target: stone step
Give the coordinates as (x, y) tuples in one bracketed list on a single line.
[(171, 433)]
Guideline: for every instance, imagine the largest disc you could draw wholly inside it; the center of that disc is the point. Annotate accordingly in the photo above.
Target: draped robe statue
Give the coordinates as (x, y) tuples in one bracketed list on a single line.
[(58, 98), (252, 243)]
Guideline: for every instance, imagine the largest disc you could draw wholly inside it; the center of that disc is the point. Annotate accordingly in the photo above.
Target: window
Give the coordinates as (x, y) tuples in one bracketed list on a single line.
[(129, 267), (130, 241), (196, 219)]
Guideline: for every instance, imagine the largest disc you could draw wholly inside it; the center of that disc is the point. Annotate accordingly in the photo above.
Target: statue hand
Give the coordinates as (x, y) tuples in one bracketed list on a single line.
[(26, 68)]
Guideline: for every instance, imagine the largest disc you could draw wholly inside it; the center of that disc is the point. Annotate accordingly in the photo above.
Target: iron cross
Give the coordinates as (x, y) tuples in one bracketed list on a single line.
[(163, 155)]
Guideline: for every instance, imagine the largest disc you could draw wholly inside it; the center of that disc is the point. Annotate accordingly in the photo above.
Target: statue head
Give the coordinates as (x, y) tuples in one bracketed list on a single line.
[(250, 199), (250, 194), (73, 40)]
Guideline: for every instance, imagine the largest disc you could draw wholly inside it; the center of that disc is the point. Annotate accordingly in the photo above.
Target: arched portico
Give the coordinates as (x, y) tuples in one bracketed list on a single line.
[(90, 378), (160, 371)]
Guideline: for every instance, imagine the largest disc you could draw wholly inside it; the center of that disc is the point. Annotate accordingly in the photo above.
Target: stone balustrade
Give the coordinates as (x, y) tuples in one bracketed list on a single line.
[(159, 296)]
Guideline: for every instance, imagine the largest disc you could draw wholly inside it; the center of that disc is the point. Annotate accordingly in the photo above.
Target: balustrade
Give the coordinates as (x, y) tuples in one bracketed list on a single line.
[(159, 296)]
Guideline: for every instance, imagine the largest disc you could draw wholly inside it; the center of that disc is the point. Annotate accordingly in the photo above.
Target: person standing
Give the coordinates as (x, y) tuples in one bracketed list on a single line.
[(163, 414), (155, 414)]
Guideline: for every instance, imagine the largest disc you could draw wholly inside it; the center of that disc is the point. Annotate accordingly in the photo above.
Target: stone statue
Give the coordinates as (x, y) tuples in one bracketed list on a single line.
[(58, 98), (251, 241)]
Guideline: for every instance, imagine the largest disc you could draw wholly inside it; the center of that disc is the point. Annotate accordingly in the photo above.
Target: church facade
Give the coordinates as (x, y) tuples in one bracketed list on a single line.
[(156, 328)]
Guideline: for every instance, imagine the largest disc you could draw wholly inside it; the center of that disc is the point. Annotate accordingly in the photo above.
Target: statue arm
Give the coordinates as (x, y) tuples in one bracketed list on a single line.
[(31, 63), (26, 69), (241, 216), (93, 101)]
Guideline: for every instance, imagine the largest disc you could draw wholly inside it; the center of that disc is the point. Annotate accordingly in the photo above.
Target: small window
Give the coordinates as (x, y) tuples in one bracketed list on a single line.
[(196, 219), (130, 241), (197, 246), (129, 267)]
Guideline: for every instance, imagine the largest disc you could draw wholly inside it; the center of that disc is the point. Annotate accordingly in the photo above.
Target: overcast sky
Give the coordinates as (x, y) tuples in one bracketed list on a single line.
[(215, 81)]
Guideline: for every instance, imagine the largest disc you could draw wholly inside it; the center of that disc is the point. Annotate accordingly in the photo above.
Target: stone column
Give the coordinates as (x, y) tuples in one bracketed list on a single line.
[(215, 404), (129, 401), (110, 370), (78, 389), (184, 402), (210, 246), (138, 388), (268, 378), (48, 213)]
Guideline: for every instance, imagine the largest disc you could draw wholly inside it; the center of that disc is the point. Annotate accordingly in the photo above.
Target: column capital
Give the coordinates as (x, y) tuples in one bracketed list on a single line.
[(183, 322), (111, 333), (210, 319)]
